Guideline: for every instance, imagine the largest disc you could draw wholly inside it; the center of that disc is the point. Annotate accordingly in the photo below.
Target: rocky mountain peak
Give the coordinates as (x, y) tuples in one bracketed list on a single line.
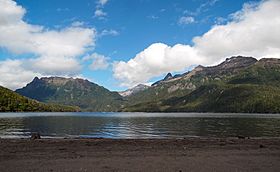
[(56, 80), (36, 78), (230, 65), (59, 81), (269, 62), (198, 68), (168, 76), (237, 62)]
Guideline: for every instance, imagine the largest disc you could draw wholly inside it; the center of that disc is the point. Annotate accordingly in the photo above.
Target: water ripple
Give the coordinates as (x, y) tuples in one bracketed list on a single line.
[(138, 125)]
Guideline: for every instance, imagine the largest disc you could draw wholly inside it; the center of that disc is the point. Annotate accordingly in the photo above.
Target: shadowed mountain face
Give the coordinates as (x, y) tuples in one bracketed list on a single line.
[(239, 84), (68, 91), (13, 102)]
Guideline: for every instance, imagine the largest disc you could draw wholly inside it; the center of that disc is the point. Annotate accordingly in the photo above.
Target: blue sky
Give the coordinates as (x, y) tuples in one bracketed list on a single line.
[(120, 30)]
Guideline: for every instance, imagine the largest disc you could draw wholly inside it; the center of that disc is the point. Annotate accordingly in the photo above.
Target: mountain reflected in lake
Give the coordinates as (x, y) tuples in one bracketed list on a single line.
[(138, 125)]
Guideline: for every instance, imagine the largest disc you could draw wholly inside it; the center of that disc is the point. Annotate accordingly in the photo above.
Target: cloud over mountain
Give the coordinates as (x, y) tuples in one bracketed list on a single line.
[(252, 31)]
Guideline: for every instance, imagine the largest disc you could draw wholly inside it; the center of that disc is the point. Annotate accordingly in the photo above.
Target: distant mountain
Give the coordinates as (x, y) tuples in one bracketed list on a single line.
[(239, 84), (134, 90), (13, 102), (75, 92)]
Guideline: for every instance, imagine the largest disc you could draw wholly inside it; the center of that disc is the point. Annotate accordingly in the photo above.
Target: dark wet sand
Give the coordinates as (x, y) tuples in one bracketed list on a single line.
[(192, 154)]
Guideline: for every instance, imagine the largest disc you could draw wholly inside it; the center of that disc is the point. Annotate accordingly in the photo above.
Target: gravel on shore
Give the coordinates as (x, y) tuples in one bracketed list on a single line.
[(191, 154)]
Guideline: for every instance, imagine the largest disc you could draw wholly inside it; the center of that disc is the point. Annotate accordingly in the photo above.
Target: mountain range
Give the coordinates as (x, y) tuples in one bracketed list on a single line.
[(239, 84)]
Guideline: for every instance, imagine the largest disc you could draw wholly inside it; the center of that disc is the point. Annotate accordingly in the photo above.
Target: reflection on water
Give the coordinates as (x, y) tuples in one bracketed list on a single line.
[(139, 125)]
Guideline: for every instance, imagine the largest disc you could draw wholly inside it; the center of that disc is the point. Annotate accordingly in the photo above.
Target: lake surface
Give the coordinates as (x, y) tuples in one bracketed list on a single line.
[(138, 125)]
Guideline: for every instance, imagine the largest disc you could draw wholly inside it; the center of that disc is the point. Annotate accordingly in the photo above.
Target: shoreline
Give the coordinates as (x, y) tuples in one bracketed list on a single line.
[(99, 154), (49, 138)]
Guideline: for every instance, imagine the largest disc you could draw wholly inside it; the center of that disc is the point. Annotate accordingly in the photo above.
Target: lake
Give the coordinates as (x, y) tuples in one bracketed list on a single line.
[(138, 125)]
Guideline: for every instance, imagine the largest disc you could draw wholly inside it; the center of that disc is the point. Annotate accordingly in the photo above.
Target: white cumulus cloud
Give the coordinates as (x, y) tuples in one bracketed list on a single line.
[(54, 52), (13, 75), (252, 31), (99, 62), (154, 61)]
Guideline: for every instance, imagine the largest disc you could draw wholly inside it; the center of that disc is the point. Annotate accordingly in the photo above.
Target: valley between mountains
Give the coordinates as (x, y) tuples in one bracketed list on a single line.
[(239, 84)]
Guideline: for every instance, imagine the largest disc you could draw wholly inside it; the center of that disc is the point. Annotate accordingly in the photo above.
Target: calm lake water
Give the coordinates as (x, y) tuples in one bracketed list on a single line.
[(138, 125)]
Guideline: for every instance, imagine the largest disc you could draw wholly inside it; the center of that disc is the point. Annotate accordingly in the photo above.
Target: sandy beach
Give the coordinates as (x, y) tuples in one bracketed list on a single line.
[(192, 154)]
